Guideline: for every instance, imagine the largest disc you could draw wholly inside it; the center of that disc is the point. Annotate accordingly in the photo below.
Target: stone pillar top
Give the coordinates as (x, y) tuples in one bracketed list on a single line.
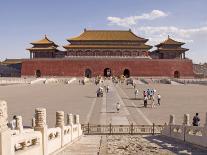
[(172, 120), (70, 119), (19, 124), (40, 117), (60, 118), (186, 120), (77, 119), (3, 115)]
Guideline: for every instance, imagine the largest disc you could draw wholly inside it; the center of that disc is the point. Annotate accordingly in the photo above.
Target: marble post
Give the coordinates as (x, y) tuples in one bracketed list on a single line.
[(186, 120), (60, 123), (5, 133), (70, 119), (19, 124), (41, 125), (172, 120)]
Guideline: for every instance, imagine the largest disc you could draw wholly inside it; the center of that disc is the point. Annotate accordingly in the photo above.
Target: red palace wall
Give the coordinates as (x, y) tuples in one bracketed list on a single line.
[(137, 67)]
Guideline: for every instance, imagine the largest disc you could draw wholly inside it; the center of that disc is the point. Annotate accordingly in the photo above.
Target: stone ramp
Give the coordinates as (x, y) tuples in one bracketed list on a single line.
[(130, 144), (146, 145), (87, 145)]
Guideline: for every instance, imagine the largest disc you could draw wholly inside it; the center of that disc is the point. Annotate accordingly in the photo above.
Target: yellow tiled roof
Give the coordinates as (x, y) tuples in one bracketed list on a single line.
[(45, 40), (142, 46), (12, 61), (43, 48), (107, 35), (173, 49), (170, 41)]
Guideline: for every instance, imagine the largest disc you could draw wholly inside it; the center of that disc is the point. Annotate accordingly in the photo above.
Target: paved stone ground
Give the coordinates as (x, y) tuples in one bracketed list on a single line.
[(130, 145), (78, 99), (147, 145), (87, 145)]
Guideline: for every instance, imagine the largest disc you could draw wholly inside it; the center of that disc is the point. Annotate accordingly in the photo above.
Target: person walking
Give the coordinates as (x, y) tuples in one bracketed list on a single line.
[(118, 106), (152, 102), (196, 120), (145, 101), (136, 93), (158, 99), (107, 89), (13, 123)]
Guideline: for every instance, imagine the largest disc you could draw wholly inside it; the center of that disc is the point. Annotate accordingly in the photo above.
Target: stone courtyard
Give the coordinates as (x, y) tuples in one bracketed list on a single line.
[(81, 99)]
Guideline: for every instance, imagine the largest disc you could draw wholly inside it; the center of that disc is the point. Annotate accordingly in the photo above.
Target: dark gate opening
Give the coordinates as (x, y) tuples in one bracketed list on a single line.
[(176, 74), (88, 73), (107, 72), (126, 73), (38, 73)]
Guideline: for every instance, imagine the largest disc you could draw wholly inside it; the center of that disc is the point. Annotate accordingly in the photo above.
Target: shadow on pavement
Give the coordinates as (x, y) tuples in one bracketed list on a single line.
[(176, 146), (132, 98), (90, 96), (109, 112), (131, 106)]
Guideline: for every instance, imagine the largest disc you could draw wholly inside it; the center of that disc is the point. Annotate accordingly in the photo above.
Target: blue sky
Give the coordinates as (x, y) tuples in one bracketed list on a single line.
[(23, 21)]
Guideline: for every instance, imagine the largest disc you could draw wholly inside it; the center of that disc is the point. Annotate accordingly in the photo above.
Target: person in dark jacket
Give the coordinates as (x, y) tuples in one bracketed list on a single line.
[(196, 120)]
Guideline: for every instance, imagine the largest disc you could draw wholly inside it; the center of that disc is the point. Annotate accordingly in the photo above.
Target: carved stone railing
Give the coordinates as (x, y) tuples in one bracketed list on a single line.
[(92, 129), (27, 143), (193, 134), (14, 80), (39, 140), (54, 139)]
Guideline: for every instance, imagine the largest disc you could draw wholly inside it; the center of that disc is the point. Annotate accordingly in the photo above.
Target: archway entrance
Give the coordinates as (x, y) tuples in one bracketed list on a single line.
[(126, 73), (88, 73), (176, 74), (107, 72), (38, 73)]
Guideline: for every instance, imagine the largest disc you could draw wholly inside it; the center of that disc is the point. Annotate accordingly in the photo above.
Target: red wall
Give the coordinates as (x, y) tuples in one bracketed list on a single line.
[(137, 67)]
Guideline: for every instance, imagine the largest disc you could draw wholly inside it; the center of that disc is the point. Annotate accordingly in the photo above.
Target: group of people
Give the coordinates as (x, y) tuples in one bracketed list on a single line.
[(149, 95)]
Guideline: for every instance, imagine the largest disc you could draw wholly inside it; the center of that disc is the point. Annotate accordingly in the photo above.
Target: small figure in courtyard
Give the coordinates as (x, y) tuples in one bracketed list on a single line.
[(118, 106), (158, 99), (145, 101), (152, 102), (148, 93), (100, 92), (107, 89), (144, 93), (196, 120), (134, 85), (154, 91), (13, 123), (136, 93)]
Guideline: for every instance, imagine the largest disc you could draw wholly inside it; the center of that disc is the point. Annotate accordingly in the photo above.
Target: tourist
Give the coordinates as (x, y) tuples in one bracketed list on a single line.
[(152, 101), (134, 85), (107, 89), (118, 106), (158, 99), (196, 120), (154, 91), (145, 101), (136, 93), (13, 123), (148, 93)]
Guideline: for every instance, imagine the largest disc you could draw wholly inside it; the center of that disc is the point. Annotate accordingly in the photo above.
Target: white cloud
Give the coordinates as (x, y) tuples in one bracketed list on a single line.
[(132, 20), (195, 38), (158, 34)]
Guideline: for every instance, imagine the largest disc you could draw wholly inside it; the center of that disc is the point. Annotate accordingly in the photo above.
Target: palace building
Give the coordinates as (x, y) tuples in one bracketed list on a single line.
[(107, 53)]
